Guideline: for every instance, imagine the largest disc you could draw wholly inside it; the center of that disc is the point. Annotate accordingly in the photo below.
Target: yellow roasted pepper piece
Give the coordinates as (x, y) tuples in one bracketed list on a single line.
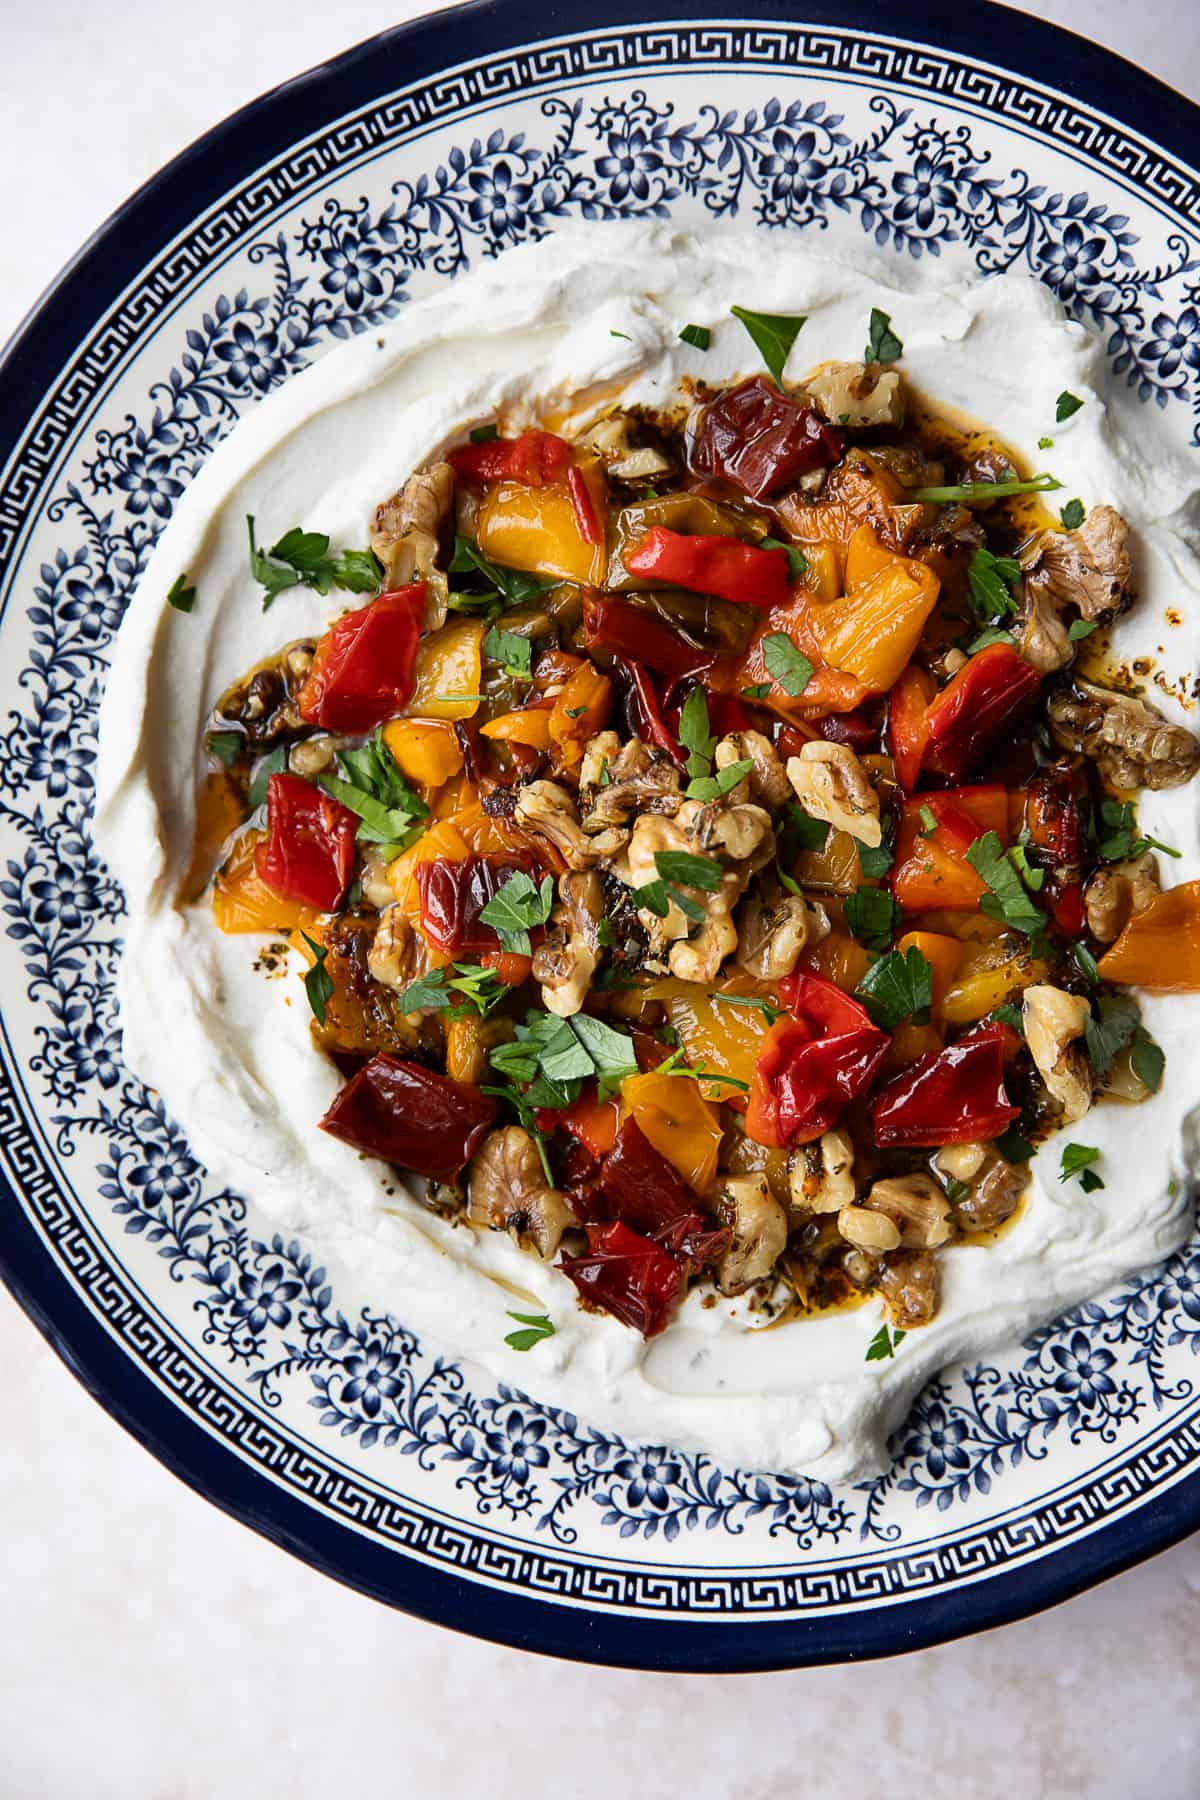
[(242, 901), (449, 663), (872, 632), (724, 1038), (530, 725), (987, 978), (535, 529), (678, 1121), (426, 750)]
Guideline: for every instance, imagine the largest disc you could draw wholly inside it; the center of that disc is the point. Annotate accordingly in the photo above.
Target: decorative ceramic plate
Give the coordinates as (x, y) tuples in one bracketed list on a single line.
[(314, 1414)]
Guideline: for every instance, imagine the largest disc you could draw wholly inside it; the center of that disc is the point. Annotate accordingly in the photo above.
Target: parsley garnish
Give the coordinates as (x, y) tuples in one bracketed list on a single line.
[(991, 580), (690, 871), (1077, 1160), (884, 1344), (883, 346), (538, 1329), (1045, 443), (982, 493), (713, 787), (695, 734), (374, 788), (899, 986), (513, 652), (1072, 514), (180, 595), (754, 1003), (518, 906), (318, 983), (226, 746), (556, 1056), (302, 559), (1011, 1016), (274, 763), (516, 587), (1081, 628), (426, 994), (431, 992), (620, 334), (874, 859), (485, 434), (772, 334), (789, 666), (1085, 962), (1008, 900), (1066, 405), (1033, 878), (992, 634), (1107, 1035), (956, 1190), (1121, 842), (759, 691), (797, 561), (871, 915), (1013, 1147), (675, 1065), (698, 336), (798, 831), (1147, 1059)]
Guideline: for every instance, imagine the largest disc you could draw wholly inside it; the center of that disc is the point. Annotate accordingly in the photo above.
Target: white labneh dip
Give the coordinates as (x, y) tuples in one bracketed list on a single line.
[(571, 324)]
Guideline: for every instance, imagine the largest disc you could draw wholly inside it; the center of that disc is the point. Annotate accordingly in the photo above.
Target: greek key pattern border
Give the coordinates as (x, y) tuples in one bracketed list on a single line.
[(814, 1588), (531, 70)]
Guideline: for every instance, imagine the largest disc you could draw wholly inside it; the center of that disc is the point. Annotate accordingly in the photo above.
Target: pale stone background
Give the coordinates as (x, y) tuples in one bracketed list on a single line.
[(151, 1649)]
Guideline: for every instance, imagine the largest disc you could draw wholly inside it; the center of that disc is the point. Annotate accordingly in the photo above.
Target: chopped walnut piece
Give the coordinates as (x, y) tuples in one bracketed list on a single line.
[(1132, 743), (774, 929), (759, 1232), (858, 394), (910, 1286), (867, 1230), (831, 784), (509, 1192), (546, 810), (566, 960), (767, 783), (1053, 1020), (916, 1205), (821, 1175), (639, 780), (405, 537), (994, 1197), (1115, 894)]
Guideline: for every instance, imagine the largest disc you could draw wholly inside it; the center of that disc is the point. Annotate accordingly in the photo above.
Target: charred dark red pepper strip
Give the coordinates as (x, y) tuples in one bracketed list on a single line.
[(1054, 801), (453, 894), (645, 713), (812, 1066), (761, 440), (581, 504), (411, 1116), (712, 565), (362, 671), (533, 459), (954, 1097), (308, 854), (976, 707), (627, 1275), (610, 624)]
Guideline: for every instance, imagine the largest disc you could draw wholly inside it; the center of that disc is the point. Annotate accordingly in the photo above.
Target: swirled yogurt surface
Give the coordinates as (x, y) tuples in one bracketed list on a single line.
[(568, 325)]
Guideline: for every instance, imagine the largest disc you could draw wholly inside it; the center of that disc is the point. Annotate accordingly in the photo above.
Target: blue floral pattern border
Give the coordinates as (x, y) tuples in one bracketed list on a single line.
[(912, 184)]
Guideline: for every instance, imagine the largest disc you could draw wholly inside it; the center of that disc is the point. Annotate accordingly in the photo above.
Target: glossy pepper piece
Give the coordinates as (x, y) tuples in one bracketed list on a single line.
[(1054, 803), (644, 712), (813, 1065), (1159, 949), (362, 671), (627, 1275), (589, 1120), (931, 872), (411, 1116), (976, 708), (454, 893), (762, 440), (533, 459), (872, 632), (907, 731), (610, 624), (308, 854), (712, 565), (955, 1097), (678, 1122)]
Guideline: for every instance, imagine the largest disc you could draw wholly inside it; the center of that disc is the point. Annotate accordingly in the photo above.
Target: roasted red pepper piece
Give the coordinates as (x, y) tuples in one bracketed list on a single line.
[(1054, 820), (761, 440), (812, 1066), (362, 672), (953, 1097), (645, 713), (859, 729), (627, 1275), (609, 624), (712, 565), (409, 1115), (453, 894), (640, 1188), (308, 854), (533, 459), (908, 731), (581, 505), (976, 707), (589, 1121), (931, 870)]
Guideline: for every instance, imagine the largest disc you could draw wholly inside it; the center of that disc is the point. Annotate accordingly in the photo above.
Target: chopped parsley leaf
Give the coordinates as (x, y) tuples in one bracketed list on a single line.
[(226, 746), (772, 335), (1072, 514), (518, 906), (871, 915), (1007, 899), (884, 1344), (302, 559), (883, 346), (899, 986), (318, 983), (513, 652), (698, 336), (1081, 628), (797, 561), (180, 595), (713, 787), (1077, 1159), (517, 587), (1013, 1147), (538, 1328), (789, 666), (1066, 406), (991, 580), (1107, 1035), (485, 434)]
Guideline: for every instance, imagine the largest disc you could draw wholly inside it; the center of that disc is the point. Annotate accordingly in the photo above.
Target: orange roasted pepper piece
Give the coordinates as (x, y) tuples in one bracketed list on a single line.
[(447, 672), (580, 710), (426, 750), (1160, 947), (530, 725), (678, 1121), (537, 529), (872, 631), (242, 901)]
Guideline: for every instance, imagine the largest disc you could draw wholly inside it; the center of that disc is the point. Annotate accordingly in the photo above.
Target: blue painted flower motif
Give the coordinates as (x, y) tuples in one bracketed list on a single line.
[(93, 1053), (263, 1299), (1180, 1289), (631, 160), (1175, 341), (353, 272), (166, 1171), (938, 1441), (650, 1476), (791, 165), (57, 761), (923, 190), (150, 485), (69, 895), (500, 199), (252, 358), (1072, 262), (516, 1446), (1083, 1369), (96, 606), (373, 1377)]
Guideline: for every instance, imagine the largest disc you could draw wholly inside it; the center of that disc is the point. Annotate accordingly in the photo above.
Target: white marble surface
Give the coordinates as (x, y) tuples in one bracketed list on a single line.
[(154, 1650)]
